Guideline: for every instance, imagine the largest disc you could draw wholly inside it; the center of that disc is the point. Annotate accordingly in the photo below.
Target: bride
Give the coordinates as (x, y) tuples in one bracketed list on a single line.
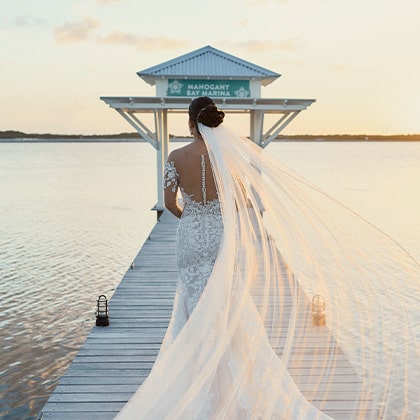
[(254, 243)]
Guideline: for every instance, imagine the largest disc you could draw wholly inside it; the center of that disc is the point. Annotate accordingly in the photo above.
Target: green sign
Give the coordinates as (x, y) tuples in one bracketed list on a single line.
[(212, 88)]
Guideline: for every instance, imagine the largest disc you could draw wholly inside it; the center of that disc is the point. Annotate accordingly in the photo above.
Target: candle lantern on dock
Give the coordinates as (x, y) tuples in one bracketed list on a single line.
[(318, 311), (102, 316)]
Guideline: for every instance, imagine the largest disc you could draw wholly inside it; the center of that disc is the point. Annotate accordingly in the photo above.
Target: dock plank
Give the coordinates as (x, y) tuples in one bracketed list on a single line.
[(114, 361)]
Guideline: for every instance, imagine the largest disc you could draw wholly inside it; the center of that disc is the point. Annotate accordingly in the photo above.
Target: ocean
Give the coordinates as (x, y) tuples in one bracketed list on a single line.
[(74, 215)]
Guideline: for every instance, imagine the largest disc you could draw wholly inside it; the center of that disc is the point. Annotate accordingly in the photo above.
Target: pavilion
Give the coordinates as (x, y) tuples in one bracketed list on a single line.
[(233, 83)]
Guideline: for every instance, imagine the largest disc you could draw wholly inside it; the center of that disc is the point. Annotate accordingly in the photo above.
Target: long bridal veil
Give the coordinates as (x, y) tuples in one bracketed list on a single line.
[(291, 260)]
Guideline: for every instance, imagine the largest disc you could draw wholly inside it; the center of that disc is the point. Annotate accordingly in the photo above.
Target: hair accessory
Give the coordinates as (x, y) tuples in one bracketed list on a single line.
[(201, 110)]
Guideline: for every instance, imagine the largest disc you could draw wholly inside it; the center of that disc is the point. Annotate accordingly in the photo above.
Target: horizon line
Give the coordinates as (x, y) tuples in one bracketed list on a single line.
[(21, 134)]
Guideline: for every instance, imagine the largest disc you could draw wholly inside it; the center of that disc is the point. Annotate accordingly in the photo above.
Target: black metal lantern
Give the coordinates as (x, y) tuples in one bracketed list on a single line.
[(102, 316)]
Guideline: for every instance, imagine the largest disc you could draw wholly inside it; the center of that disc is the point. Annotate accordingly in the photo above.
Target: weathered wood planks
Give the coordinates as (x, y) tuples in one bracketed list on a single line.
[(115, 360)]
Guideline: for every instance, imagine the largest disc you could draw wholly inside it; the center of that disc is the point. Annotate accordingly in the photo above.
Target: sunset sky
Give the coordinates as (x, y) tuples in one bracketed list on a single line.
[(359, 59)]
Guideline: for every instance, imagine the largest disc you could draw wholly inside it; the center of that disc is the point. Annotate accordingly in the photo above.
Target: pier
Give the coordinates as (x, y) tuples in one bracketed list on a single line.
[(115, 360)]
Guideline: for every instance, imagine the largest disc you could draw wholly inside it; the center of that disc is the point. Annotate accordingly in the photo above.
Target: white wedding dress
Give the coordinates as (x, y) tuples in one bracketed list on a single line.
[(198, 239), (247, 263)]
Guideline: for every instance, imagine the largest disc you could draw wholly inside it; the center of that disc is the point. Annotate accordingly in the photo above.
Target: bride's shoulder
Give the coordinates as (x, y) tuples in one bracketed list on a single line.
[(179, 154), (175, 156)]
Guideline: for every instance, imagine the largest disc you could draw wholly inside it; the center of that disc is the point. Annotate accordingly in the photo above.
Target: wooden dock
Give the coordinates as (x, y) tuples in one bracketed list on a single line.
[(115, 360)]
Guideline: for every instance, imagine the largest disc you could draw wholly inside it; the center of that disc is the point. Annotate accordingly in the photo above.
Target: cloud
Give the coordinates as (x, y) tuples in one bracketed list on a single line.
[(243, 23), (120, 38), (106, 1), (28, 21), (340, 68), (289, 44), (76, 31), (24, 21), (142, 43), (263, 2)]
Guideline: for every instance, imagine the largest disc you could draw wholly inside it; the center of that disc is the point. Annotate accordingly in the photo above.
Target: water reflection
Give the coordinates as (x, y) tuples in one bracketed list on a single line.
[(73, 220), (73, 216)]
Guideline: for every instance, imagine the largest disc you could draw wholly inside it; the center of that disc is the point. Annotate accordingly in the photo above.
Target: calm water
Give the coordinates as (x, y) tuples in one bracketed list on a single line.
[(73, 216)]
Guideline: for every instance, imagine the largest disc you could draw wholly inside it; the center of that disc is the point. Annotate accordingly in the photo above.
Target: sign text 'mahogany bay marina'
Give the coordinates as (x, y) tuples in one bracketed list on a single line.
[(212, 88)]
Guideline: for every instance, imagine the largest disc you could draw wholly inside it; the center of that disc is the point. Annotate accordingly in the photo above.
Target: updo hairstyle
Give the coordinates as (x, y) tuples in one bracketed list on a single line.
[(203, 110)]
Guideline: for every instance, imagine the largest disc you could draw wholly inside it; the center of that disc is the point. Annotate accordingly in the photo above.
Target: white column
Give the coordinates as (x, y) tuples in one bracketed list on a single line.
[(256, 128), (162, 138)]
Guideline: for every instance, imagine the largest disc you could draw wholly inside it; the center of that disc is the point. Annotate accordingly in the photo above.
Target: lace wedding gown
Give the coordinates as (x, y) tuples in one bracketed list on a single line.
[(198, 239)]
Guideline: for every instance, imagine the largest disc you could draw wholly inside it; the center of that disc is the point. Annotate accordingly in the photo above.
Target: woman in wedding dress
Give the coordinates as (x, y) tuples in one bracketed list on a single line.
[(200, 228), (254, 241)]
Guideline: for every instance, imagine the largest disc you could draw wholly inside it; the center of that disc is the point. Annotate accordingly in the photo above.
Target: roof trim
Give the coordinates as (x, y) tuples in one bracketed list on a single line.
[(176, 67), (174, 104)]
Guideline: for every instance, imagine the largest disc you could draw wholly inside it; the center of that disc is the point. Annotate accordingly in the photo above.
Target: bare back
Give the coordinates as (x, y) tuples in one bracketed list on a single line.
[(195, 175), (189, 170)]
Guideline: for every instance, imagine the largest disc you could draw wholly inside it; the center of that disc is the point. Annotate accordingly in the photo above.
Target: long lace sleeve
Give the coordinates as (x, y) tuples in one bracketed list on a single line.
[(170, 176)]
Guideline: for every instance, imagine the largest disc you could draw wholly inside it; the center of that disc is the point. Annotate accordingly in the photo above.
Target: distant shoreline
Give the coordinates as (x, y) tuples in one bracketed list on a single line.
[(20, 137)]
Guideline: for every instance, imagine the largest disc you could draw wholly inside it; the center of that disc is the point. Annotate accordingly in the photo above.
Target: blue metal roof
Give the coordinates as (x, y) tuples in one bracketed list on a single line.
[(208, 62)]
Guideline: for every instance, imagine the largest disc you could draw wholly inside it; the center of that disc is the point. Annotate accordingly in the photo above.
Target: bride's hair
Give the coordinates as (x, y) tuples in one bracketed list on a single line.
[(203, 110)]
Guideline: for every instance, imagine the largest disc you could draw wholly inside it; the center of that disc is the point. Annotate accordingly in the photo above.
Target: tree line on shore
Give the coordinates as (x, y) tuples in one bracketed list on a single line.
[(11, 134)]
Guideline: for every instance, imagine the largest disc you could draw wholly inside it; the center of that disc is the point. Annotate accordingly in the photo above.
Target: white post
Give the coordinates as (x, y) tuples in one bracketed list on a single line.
[(256, 128), (162, 138)]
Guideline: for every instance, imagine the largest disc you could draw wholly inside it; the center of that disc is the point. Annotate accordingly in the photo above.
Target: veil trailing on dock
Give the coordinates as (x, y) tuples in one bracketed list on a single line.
[(310, 311)]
